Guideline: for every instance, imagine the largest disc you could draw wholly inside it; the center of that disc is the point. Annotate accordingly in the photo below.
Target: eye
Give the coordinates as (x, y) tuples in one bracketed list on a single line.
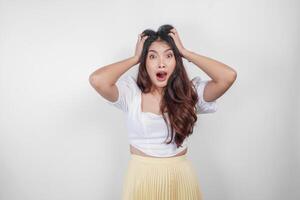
[(170, 55), (151, 55)]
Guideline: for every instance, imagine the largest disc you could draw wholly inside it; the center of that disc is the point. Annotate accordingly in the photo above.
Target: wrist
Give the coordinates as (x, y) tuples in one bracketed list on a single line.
[(135, 58), (185, 53)]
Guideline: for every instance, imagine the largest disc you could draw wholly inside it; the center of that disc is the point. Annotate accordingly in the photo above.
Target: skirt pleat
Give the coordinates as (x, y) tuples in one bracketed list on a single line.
[(153, 178)]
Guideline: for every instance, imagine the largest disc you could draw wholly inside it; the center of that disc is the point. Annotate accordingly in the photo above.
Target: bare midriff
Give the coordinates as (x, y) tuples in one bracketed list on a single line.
[(136, 151)]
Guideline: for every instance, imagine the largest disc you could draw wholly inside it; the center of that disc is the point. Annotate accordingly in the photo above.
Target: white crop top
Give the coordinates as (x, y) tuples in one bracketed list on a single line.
[(147, 131)]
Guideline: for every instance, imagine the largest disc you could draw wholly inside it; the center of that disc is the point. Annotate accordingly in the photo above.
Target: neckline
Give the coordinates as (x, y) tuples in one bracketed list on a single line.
[(140, 107)]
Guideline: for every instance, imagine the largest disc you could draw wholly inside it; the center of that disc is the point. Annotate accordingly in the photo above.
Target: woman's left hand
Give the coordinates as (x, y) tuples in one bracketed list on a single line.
[(174, 34)]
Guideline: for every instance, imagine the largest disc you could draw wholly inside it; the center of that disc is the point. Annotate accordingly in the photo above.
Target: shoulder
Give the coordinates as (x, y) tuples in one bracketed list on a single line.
[(127, 90), (129, 79), (202, 105), (128, 82), (198, 83), (197, 80)]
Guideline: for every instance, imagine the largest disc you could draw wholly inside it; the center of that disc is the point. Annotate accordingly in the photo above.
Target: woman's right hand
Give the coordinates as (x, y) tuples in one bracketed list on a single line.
[(139, 45)]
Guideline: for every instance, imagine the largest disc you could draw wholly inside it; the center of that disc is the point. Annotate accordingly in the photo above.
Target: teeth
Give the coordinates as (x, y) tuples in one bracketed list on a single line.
[(161, 73)]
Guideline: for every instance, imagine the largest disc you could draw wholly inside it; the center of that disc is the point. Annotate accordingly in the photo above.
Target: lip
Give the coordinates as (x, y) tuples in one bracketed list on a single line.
[(161, 71), (165, 77)]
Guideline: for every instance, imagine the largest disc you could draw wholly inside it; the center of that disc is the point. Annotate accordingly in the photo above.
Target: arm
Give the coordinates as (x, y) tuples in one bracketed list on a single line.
[(104, 79), (222, 75)]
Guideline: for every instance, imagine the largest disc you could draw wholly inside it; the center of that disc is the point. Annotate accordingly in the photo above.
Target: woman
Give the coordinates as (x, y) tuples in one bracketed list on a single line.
[(161, 107)]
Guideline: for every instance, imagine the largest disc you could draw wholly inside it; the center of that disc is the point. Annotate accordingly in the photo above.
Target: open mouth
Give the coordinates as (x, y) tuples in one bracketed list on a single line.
[(161, 76)]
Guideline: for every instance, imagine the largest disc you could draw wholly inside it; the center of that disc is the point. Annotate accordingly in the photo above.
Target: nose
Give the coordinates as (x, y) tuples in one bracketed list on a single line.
[(161, 63), (161, 66)]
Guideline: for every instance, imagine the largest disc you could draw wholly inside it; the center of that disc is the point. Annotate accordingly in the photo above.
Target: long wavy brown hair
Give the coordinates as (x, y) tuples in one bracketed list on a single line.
[(179, 98)]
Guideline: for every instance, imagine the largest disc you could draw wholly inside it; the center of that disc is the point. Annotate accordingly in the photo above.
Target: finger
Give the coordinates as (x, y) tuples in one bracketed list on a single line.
[(171, 34), (145, 37)]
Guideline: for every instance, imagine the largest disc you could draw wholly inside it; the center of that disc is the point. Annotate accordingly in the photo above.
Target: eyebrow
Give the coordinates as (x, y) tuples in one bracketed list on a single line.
[(156, 51)]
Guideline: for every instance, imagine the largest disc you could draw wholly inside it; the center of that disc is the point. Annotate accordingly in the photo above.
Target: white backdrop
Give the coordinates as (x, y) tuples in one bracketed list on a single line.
[(59, 139)]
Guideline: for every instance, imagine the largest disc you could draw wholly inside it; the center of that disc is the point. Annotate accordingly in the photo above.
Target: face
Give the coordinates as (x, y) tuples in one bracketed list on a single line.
[(160, 64)]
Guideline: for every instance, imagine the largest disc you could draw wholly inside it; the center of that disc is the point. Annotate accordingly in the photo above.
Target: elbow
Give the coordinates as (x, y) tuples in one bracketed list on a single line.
[(232, 76), (97, 81), (93, 80)]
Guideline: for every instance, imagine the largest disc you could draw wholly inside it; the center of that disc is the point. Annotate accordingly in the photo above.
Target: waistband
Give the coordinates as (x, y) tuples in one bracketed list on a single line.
[(159, 160)]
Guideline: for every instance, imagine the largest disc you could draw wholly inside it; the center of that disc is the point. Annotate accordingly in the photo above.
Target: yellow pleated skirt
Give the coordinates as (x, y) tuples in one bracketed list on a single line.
[(153, 178)]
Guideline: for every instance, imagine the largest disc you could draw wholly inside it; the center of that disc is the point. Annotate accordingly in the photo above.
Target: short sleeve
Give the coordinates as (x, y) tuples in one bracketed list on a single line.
[(126, 91), (203, 106)]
